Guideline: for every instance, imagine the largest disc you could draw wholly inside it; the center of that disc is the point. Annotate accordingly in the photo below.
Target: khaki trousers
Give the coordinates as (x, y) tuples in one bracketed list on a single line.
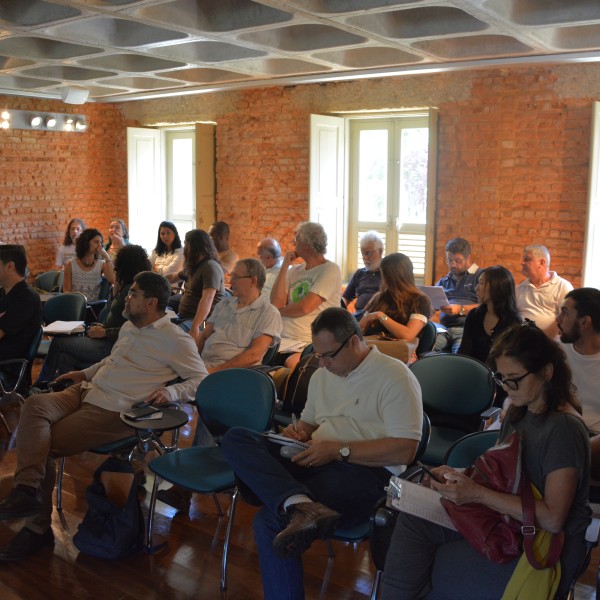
[(57, 425)]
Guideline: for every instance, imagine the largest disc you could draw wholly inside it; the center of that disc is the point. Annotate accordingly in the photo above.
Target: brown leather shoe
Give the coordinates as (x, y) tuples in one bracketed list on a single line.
[(310, 521)]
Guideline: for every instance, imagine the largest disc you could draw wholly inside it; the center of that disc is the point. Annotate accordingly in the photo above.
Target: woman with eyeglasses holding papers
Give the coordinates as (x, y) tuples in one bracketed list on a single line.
[(428, 560)]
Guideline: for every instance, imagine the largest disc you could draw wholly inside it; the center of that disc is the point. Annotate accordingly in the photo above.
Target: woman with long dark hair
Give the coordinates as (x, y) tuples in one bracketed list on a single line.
[(497, 312), (167, 257), (84, 273), (204, 286), (428, 560), (75, 353), (66, 251), (399, 310)]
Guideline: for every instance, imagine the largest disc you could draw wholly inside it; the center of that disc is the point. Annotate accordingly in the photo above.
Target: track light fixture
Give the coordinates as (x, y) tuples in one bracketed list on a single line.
[(39, 121)]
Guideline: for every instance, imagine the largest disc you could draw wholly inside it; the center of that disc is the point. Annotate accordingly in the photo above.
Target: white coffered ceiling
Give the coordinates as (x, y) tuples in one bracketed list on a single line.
[(130, 49)]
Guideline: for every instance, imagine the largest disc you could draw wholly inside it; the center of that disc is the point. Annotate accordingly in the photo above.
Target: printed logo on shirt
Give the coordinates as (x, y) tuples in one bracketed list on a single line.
[(300, 290)]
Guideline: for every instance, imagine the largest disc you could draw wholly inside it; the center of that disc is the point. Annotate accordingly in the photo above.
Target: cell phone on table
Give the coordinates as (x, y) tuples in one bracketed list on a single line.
[(426, 469), (141, 412)]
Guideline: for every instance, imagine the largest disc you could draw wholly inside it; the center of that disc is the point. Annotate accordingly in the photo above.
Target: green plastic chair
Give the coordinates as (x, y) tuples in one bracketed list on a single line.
[(456, 389), (465, 450), (228, 398), (50, 281), (64, 307), (426, 339)]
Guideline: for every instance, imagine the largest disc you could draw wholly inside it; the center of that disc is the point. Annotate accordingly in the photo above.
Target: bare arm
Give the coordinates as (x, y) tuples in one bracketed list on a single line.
[(551, 512), (308, 304), (68, 278), (370, 453), (406, 332), (204, 306), (279, 291), (108, 269), (552, 330), (208, 330), (454, 309), (250, 356)]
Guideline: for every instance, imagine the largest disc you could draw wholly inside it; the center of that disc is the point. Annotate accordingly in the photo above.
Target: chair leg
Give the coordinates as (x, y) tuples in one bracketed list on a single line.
[(217, 505), (150, 548), (231, 516), (330, 550), (59, 480), (376, 583)]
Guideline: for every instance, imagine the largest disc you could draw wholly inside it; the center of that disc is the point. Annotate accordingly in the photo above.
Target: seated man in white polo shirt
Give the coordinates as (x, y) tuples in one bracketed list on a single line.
[(241, 328), (541, 295)]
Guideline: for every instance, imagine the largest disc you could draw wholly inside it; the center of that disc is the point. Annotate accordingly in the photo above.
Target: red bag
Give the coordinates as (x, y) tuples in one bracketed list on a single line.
[(498, 537)]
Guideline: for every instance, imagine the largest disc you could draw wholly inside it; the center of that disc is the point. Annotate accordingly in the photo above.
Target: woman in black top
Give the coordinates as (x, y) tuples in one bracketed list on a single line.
[(399, 310), (497, 312)]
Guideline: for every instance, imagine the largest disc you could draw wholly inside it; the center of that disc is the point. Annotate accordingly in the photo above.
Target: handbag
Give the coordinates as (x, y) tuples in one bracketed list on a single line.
[(498, 537)]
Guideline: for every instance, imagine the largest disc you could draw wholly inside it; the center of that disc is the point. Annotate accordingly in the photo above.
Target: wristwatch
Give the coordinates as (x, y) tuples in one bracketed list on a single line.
[(462, 311), (345, 452)]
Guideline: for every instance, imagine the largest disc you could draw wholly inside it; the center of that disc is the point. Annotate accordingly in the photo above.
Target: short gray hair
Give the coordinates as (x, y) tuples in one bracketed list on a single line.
[(313, 235), (254, 268), (539, 251), (372, 236)]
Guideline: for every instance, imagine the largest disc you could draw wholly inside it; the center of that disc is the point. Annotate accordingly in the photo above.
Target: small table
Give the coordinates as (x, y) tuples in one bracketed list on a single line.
[(150, 430)]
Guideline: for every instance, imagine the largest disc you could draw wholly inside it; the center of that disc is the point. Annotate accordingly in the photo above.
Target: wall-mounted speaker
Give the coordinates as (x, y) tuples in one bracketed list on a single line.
[(74, 95)]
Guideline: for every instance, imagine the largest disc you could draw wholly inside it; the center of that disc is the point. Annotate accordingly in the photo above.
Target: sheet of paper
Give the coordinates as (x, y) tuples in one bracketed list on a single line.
[(284, 441), (420, 501), (436, 294), (64, 327)]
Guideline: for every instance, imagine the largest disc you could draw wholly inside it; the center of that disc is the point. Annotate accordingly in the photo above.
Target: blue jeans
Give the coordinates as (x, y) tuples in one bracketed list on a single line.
[(350, 489), (448, 340), (73, 353)]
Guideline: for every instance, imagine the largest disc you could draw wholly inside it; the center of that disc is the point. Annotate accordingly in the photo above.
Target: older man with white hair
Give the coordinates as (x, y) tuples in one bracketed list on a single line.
[(541, 295), (303, 291), (268, 251), (365, 282)]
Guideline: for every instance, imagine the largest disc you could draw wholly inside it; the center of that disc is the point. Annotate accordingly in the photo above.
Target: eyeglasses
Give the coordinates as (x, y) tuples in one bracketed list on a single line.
[(234, 277), (511, 384), (332, 355)]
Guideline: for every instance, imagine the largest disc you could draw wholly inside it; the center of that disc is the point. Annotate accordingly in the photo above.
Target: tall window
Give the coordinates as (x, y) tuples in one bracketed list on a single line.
[(181, 180), (388, 186)]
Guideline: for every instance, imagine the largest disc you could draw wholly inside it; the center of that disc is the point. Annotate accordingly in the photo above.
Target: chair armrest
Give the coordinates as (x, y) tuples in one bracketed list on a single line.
[(494, 411)]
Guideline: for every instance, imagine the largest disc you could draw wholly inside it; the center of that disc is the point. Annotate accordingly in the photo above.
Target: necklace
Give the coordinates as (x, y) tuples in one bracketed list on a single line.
[(88, 265)]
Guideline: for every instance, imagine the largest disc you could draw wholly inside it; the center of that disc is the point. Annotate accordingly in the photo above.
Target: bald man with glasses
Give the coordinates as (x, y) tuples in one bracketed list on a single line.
[(362, 423)]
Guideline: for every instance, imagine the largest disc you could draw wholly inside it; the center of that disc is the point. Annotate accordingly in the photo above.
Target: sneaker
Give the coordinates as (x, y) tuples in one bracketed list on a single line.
[(25, 543), (310, 521), (19, 504)]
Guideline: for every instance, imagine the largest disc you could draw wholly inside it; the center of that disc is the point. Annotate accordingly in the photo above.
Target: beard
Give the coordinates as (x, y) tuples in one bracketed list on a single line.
[(572, 336)]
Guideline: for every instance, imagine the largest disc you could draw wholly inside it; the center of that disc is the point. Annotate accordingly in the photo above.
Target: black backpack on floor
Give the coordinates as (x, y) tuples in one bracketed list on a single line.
[(113, 525)]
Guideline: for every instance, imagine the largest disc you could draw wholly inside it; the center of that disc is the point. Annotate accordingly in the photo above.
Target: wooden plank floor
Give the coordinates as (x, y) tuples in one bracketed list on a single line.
[(188, 568)]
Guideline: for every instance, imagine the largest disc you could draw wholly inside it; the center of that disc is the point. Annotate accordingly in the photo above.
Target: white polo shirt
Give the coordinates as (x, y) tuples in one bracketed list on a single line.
[(542, 304)]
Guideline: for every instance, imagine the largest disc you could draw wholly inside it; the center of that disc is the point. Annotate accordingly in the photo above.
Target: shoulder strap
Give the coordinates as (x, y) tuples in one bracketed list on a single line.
[(528, 530)]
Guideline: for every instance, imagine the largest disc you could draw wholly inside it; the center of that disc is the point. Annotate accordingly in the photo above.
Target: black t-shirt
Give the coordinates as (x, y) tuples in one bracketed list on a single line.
[(20, 320)]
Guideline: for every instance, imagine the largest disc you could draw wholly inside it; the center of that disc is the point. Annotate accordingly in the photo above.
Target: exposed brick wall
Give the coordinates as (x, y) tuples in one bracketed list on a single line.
[(50, 177), (513, 170), (513, 155)]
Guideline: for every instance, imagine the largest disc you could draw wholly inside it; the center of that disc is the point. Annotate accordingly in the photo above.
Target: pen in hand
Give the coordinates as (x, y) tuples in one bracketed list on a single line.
[(295, 422), (426, 470)]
